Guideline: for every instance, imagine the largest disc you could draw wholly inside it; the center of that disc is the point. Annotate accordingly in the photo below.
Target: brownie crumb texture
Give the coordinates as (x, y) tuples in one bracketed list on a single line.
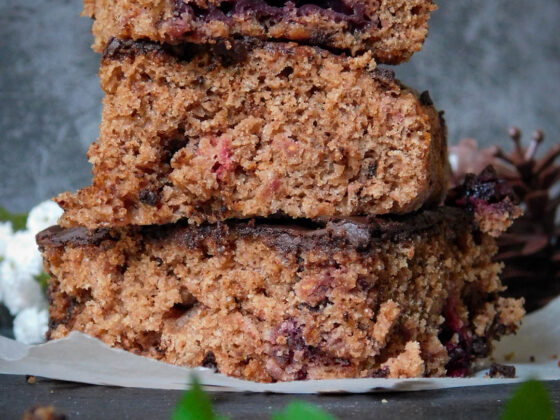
[(412, 297), (281, 129)]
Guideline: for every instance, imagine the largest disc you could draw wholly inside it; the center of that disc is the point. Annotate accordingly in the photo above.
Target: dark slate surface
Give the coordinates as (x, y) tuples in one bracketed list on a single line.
[(94, 402), (488, 64)]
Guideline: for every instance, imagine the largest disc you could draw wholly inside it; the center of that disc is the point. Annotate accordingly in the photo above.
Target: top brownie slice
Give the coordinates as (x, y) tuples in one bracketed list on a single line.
[(392, 29)]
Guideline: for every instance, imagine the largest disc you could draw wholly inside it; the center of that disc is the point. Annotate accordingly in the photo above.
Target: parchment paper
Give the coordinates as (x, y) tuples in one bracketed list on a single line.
[(81, 358)]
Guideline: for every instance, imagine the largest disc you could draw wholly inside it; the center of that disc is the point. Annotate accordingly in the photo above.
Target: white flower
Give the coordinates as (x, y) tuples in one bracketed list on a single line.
[(19, 289), (6, 233), (31, 325), (43, 216), (23, 254)]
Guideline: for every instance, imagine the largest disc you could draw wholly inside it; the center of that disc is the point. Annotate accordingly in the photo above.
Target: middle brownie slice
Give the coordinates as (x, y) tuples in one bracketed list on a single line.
[(243, 129)]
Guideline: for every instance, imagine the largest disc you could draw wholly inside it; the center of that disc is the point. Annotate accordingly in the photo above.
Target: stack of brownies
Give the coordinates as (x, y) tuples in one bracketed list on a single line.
[(266, 201)]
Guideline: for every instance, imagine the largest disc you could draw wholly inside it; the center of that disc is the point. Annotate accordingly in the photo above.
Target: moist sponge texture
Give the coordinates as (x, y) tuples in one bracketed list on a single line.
[(276, 303), (243, 130)]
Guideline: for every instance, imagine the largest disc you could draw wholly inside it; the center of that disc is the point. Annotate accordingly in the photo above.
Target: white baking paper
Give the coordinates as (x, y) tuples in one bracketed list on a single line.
[(81, 358)]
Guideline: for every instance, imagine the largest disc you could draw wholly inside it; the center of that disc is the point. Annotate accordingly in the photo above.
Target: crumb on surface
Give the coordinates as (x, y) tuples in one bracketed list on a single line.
[(43, 413), (501, 371)]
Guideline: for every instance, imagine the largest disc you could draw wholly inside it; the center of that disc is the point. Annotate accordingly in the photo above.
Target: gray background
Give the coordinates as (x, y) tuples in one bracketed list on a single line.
[(488, 64)]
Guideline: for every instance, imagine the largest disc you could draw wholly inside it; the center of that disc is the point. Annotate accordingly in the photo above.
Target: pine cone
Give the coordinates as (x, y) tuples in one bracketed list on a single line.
[(531, 247)]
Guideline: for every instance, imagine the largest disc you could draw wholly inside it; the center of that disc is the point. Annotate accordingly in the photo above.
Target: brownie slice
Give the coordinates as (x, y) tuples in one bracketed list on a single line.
[(409, 296), (247, 129), (392, 29)]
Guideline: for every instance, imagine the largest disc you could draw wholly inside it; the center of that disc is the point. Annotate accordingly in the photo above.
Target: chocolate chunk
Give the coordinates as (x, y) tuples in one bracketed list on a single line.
[(354, 234), (148, 197), (372, 170), (426, 99), (230, 52), (301, 375), (381, 373), (501, 371), (384, 73), (117, 49), (209, 360), (480, 347), (286, 71), (56, 236)]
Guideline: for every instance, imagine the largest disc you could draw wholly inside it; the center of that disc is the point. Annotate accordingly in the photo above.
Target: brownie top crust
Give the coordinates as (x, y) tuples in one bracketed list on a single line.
[(56, 236), (392, 30), (358, 233), (228, 51)]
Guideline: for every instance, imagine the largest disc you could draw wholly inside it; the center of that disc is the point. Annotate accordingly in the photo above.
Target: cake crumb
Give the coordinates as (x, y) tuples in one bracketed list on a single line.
[(43, 413), (220, 168), (30, 379)]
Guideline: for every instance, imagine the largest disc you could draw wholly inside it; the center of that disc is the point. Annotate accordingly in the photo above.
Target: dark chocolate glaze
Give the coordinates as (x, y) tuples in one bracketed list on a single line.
[(340, 233), (56, 236), (228, 51), (118, 49)]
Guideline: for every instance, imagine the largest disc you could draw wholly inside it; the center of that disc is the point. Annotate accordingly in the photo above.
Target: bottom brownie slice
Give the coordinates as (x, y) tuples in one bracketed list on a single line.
[(381, 297)]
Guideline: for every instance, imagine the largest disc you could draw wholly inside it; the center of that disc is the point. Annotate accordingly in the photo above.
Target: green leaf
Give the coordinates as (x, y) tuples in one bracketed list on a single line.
[(18, 220), (302, 411), (529, 401), (42, 279), (194, 405)]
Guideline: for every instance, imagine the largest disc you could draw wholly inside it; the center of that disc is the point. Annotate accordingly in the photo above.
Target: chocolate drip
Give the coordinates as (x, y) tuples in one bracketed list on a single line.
[(56, 236), (358, 233)]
